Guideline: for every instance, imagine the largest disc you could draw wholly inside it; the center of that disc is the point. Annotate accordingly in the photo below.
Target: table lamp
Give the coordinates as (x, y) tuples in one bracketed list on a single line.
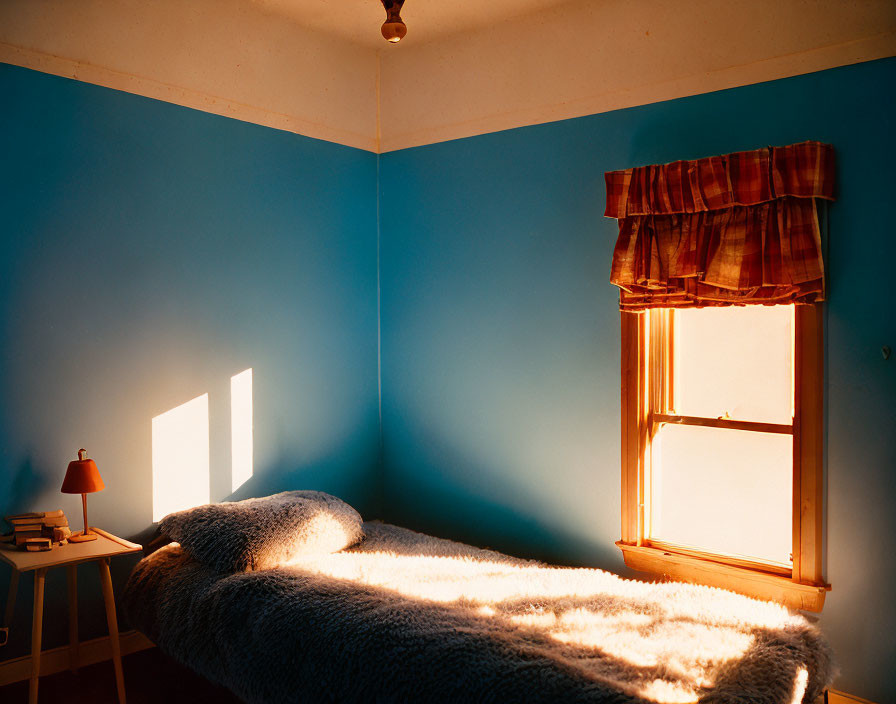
[(82, 477)]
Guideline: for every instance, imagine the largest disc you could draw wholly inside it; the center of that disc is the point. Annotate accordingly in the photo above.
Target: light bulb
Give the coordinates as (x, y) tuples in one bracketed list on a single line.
[(394, 31), (393, 28)]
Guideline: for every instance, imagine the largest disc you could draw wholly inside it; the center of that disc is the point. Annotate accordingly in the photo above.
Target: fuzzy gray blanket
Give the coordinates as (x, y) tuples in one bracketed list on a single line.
[(405, 617), (260, 533)]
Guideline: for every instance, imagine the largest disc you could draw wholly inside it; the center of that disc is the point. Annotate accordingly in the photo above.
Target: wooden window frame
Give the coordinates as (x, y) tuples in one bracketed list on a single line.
[(644, 408)]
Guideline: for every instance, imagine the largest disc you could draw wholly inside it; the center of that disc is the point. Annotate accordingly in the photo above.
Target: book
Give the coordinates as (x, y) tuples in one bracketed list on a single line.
[(33, 517), (24, 518), (28, 528), (29, 522), (38, 544), (46, 525), (24, 536)]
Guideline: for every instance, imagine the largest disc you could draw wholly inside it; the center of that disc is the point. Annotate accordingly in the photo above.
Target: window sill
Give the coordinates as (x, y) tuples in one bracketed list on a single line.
[(759, 585)]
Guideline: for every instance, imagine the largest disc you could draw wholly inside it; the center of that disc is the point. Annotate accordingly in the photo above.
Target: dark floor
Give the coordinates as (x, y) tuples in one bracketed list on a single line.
[(150, 677)]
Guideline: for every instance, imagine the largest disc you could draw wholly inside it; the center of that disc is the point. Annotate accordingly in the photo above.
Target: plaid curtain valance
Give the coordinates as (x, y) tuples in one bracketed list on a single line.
[(726, 230)]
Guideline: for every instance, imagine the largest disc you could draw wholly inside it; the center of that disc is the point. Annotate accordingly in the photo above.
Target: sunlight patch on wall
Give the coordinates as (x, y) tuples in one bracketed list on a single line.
[(241, 436), (180, 458)]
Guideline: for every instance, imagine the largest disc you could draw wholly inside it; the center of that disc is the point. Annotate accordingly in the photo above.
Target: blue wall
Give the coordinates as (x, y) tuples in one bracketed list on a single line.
[(500, 333), (148, 253)]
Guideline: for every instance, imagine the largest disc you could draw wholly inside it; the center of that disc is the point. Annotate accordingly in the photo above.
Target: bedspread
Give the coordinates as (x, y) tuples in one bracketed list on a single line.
[(406, 617)]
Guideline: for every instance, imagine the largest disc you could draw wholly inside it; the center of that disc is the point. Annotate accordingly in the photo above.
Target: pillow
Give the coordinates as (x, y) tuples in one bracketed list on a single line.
[(258, 534)]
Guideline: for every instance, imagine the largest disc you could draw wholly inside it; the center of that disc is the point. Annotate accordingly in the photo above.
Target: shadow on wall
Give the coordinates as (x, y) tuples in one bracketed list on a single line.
[(359, 487), (26, 485), (516, 522)]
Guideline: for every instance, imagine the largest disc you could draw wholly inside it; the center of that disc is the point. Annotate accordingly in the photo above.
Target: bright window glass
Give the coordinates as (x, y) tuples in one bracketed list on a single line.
[(735, 360), (724, 491)]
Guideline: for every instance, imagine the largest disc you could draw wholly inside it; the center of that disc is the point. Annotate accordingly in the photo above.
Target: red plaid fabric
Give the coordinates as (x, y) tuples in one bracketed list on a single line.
[(727, 230)]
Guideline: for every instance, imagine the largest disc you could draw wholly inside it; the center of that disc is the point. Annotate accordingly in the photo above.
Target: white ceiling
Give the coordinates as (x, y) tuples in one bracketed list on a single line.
[(358, 21), (321, 68)]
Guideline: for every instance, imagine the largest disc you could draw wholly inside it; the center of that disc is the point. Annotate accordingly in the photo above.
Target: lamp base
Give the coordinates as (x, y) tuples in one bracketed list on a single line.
[(82, 537)]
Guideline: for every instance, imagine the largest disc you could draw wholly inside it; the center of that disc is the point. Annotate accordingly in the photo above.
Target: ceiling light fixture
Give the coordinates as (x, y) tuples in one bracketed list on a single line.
[(393, 28)]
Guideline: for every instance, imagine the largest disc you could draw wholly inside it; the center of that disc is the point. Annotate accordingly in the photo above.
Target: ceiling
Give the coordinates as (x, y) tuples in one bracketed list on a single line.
[(320, 68), (358, 21)]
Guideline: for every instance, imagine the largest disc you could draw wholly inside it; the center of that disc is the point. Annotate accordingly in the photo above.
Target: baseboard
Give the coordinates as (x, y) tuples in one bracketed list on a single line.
[(835, 697), (56, 659)]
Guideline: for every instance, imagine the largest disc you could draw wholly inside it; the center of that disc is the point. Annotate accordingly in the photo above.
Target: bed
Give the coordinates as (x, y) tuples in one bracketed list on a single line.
[(405, 617)]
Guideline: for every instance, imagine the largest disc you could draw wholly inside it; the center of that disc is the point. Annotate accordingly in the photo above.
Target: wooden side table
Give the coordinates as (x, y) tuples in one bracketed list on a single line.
[(100, 551)]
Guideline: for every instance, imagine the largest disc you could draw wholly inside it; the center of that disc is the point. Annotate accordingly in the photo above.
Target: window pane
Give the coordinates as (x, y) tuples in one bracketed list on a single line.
[(725, 491), (734, 360)]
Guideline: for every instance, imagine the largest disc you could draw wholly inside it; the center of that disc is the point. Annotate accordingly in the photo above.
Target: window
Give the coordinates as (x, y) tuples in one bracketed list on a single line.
[(722, 457)]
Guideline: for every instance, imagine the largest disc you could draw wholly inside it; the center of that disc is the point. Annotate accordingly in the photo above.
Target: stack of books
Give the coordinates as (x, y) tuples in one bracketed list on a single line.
[(39, 530)]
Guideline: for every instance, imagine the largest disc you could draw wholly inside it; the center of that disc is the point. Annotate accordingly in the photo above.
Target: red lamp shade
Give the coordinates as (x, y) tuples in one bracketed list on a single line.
[(82, 476)]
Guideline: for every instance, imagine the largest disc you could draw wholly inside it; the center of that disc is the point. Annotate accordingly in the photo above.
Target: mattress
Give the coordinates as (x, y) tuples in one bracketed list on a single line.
[(407, 617)]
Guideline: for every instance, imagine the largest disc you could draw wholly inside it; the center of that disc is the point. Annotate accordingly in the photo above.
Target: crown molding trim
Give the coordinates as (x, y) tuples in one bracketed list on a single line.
[(879, 46), (206, 102)]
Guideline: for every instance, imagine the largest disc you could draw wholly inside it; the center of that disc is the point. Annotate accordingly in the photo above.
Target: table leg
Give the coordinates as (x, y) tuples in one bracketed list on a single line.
[(10, 606), (36, 631), (73, 618), (112, 620)]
